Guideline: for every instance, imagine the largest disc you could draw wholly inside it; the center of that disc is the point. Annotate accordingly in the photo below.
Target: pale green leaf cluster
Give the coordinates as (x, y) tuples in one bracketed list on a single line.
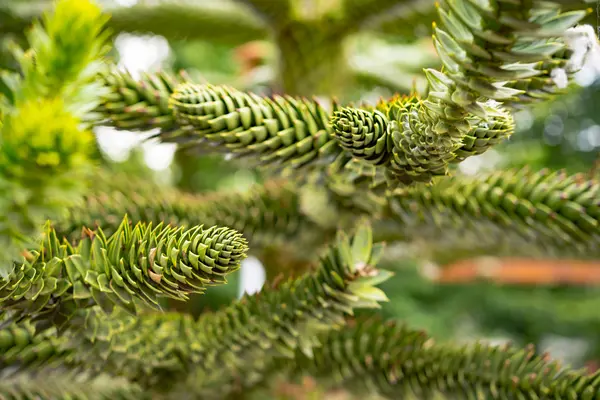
[(44, 148)]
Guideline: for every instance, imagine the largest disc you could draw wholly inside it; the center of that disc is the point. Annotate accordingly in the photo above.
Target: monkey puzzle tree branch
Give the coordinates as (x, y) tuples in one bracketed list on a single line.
[(279, 219), (286, 134), (395, 361), (64, 385), (22, 345), (508, 54), (279, 130), (502, 213), (409, 139), (269, 214), (516, 212), (235, 344), (39, 364), (298, 310), (141, 105), (137, 105), (142, 263)]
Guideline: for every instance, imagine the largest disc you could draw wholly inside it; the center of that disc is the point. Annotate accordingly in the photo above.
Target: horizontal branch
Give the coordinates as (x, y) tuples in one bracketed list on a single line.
[(271, 214), (406, 139), (235, 344), (65, 385), (516, 212), (395, 361), (274, 12), (218, 21), (138, 263)]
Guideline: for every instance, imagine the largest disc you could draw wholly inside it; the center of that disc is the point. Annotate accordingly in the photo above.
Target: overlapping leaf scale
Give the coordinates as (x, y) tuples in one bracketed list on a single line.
[(235, 347), (503, 50), (148, 349), (283, 134), (494, 55), (22, 348), (364, 134), (245, 338), (135, 263), (235, 344), (514, 211), (151, 349), (395, 362), (410, 143), (277, 131), (65, 385), (138, 104)]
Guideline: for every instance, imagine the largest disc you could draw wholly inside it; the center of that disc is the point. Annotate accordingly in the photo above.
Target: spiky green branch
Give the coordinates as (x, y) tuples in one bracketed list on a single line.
[(141, 263), (503, 53), (394, 361), (501, 213), (515, 212), (21, 345), (64, 385), (408, 139), (294, 314), (267, 215), (138, 105), (236, 344)]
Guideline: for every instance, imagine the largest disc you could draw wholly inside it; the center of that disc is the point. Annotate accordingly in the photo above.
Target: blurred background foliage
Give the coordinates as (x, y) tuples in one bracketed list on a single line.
[(226, 43)]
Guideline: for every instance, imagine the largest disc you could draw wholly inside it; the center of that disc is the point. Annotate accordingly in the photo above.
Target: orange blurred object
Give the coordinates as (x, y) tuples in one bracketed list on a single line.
[(522, 271), (251, 55)]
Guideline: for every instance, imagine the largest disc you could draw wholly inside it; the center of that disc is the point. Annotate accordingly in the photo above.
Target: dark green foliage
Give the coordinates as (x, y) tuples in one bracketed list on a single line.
[(61, 384), (239, 342), (514, 212), (269, 214), (503, 213), (21, 345), (396, 361)]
